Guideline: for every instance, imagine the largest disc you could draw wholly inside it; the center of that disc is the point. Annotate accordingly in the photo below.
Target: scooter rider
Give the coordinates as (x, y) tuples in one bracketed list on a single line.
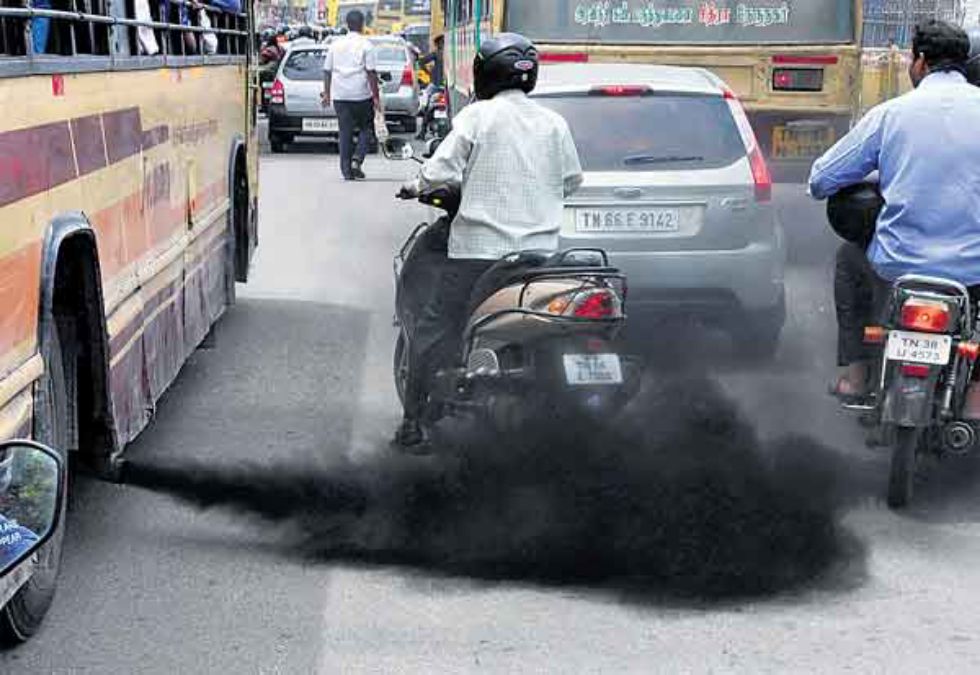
[(924, 147), (514, 162)]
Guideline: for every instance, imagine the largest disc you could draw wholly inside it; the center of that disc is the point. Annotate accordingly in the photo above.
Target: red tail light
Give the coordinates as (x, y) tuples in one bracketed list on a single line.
[(408, 77), (915, 370), (620, 90), (757, 163), (929, 316), (601, 303), (563, 57), (439, 100), (277, 94)]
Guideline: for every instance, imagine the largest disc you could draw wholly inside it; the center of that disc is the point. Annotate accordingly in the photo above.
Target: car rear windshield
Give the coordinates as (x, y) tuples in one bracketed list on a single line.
[(305, 65), (663, 132), (390, 54)]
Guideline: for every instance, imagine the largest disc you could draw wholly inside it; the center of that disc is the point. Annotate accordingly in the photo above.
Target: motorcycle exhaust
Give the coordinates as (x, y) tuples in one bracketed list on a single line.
[(959, 438)]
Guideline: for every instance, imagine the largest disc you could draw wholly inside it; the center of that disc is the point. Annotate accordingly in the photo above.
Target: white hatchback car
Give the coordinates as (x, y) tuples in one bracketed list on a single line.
[(676, 191)]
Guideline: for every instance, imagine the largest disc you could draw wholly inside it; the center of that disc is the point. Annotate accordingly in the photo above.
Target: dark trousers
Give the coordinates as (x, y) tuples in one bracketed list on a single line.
[(437, 289), (354, 117), (861, 298)]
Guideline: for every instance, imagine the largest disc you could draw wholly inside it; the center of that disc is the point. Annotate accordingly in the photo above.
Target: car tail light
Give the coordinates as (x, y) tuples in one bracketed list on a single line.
[(930, 316), (408, 77), (620, 90), (600, 303), (797, 79), (916, 370), (278, 93), (757, 163)]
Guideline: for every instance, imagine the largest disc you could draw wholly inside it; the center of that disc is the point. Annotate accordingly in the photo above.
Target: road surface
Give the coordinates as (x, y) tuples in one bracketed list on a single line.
[(301, 375)]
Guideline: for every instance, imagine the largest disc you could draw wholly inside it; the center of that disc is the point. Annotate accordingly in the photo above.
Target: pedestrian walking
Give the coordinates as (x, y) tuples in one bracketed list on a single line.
[(350, 85)]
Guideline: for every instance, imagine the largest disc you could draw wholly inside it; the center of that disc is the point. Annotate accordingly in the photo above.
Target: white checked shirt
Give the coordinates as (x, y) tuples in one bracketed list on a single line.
[(515, 162), (348, 61)]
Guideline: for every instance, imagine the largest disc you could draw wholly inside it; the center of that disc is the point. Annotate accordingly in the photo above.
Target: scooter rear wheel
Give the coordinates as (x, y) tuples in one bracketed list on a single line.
[(401, 365)]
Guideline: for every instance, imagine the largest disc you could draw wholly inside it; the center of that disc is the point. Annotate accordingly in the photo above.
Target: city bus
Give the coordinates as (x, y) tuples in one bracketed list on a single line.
[(128, 197), (393, 16), (368, 9), (796, 66)]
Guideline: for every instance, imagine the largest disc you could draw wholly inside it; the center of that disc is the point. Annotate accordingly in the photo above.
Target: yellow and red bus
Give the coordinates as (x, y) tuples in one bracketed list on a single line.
[(796, 66), (128, 195)]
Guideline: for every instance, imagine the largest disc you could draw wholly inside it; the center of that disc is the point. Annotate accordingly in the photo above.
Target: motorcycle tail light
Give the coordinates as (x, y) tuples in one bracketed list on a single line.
[(915, 370), (599, 303), (969, 350), (439, 100), (874, 335), (930, 316)]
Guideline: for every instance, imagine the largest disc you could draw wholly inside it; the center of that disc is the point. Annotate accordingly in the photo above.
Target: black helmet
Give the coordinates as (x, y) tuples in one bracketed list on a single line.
[(853, 212), (973, 65), (505, 61)]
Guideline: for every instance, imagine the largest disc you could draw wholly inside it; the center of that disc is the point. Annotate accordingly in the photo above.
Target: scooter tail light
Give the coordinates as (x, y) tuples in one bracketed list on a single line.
[(600, 303), (277, 94), (929, 316), (916, 370)]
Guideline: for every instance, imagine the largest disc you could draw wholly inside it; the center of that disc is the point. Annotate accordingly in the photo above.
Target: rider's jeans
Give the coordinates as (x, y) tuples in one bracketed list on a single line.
[(439, 288)]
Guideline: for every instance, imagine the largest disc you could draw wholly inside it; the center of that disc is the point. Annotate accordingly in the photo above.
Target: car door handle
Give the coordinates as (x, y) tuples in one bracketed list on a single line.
[(628, 193)]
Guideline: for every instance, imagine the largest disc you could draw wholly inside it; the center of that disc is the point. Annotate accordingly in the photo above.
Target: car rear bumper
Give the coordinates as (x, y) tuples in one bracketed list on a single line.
[(401, 104), (747, 279), (284, 123)]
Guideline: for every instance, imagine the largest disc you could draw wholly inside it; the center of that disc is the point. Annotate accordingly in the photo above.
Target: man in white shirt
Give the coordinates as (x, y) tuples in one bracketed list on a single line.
[(514, 162), (350, 85)]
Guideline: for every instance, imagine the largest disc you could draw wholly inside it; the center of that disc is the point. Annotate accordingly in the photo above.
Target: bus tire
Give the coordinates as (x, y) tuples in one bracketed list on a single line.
[(21, 617)]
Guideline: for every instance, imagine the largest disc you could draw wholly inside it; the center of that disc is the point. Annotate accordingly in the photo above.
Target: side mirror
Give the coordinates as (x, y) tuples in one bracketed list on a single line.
[(431, 146), (32, 488), (397, 149)]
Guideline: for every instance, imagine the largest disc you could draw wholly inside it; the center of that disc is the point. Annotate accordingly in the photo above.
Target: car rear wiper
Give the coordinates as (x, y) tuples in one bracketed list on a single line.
[(660, 159)]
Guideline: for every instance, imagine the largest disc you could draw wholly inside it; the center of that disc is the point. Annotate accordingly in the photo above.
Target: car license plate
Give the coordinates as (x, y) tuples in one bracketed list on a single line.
[(919, 347), (322, 124), (650, 219), (803, 141), (440, 114), (593, 369)]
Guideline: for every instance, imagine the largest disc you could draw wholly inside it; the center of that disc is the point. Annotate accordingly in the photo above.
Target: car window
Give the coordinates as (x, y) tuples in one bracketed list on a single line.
[(394, 55), (305, 65), (661, 132)]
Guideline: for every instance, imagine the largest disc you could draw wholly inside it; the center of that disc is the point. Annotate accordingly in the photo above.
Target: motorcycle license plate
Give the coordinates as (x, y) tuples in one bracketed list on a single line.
[(440, 114), (919, 347), (593, 369)]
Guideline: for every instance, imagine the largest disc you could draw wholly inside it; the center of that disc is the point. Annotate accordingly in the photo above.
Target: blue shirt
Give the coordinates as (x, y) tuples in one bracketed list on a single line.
[(926, 147), (15, 540)]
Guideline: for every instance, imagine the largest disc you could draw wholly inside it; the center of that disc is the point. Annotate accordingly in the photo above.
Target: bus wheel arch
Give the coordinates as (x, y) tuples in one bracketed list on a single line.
[(72, 303), (239, 216)]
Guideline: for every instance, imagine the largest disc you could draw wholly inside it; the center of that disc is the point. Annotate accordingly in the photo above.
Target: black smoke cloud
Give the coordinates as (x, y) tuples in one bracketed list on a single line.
[(678, 496)]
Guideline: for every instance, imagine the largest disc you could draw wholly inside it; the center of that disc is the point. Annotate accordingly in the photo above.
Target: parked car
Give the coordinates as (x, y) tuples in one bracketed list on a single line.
[(677, 191), (399, 89), (294, 98)]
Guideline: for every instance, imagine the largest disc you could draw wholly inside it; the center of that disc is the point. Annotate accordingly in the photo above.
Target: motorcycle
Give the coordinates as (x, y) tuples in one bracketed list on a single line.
[(435, 113), (921, 402), (542, 337)]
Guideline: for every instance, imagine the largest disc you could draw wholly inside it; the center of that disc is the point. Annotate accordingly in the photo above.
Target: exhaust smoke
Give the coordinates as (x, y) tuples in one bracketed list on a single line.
[(677, 496)]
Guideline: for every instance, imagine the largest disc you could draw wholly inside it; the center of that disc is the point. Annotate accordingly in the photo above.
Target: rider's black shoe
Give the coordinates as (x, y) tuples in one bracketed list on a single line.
[(410, 436)]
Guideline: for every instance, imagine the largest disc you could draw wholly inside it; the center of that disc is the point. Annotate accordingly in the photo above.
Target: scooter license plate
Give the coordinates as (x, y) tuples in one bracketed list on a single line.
[(581, 369), (440, 114), (919, 347)]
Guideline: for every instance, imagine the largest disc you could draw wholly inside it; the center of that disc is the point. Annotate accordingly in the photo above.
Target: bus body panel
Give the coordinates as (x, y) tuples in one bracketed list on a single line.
[(144, 156)]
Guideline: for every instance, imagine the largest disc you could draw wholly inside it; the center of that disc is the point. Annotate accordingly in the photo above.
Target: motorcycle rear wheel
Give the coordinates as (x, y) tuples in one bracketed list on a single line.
[(901, 478), (401, 366)]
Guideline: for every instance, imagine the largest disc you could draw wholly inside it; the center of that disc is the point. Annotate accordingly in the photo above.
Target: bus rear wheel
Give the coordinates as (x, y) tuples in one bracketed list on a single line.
[(21, 617)]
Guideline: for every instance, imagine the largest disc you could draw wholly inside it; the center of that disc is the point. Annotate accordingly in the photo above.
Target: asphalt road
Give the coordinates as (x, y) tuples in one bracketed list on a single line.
[(301, 375)]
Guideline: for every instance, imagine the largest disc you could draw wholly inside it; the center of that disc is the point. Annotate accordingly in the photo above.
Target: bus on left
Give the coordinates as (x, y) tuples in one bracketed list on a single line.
[(128, 195)]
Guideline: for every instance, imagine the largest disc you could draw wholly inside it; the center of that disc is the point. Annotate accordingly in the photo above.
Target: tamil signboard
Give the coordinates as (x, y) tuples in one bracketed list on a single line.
[(684, 21)]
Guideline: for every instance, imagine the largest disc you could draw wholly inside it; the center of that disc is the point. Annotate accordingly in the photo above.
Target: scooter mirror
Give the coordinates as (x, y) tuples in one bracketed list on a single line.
[(398, 149), (32, 488)]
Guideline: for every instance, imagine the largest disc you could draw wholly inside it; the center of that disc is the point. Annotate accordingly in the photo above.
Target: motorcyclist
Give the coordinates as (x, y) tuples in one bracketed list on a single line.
[(514, 162), (924, 148), (436, 58)]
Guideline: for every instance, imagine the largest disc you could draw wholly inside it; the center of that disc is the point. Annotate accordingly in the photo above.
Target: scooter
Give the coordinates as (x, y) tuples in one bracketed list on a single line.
[(541, 341)]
